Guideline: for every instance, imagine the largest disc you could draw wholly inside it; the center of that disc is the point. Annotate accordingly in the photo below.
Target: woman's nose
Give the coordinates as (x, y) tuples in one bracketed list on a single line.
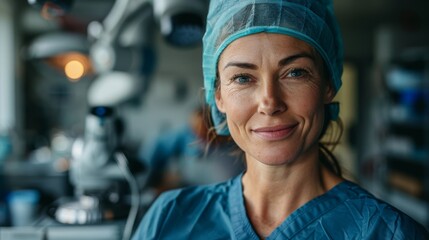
[(271, 100)]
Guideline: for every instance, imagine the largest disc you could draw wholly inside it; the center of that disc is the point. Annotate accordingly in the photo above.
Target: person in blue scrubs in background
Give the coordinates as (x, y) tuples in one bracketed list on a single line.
[(271, 70), (186, 149)]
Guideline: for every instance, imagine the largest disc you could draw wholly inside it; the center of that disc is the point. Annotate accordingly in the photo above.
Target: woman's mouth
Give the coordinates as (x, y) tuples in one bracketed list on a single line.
[(275, 133)]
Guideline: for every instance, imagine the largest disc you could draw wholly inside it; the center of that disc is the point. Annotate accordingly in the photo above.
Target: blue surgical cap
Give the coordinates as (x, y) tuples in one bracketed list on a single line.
[(311, 21)]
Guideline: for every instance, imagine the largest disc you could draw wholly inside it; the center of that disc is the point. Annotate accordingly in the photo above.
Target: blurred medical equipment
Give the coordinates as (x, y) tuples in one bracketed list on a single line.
[(91, 155), (113, 88), (57, 43), (182, 22), (94, 169), (130, 25), (126, 33), (63, 51), (120, 49), (52, 8)]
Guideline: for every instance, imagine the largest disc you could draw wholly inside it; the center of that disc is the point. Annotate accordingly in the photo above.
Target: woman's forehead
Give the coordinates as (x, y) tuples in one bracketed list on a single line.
[(250, 47)]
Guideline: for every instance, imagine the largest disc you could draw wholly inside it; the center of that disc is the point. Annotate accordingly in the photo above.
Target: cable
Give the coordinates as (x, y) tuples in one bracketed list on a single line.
[(135, 195)]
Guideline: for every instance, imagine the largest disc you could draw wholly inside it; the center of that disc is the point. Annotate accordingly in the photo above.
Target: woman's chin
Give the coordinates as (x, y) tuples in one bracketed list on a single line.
[(272, 158)]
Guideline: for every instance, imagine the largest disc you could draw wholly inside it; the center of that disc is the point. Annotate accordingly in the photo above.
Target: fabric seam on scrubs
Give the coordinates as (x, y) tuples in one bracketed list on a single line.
[(238, 213), (324, 203)]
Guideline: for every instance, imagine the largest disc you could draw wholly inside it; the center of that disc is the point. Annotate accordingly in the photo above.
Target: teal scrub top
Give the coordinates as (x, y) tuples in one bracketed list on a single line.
[(217, 211)]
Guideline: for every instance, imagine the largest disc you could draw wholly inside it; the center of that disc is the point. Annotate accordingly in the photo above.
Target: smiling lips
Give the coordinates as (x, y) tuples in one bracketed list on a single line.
[(275, 133)]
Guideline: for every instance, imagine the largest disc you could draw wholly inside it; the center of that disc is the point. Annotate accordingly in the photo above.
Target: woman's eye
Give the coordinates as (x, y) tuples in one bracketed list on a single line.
[(296, 73), (241, 79)]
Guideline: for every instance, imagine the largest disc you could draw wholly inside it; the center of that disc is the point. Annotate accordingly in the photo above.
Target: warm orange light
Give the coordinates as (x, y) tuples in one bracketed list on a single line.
[(74, 70), (74, 65)]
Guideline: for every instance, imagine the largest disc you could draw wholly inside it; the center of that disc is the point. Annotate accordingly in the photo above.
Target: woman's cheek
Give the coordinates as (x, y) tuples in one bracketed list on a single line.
[(239, 105)]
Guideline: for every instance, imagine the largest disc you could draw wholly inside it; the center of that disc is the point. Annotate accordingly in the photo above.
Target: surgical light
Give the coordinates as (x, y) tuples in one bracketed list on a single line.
[(181, 21), (74, 65), (66, 52), (183, 29), (74, 70)]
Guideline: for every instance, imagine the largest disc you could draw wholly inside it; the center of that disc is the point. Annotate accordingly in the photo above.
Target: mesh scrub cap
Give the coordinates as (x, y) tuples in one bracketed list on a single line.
[(312, 21)]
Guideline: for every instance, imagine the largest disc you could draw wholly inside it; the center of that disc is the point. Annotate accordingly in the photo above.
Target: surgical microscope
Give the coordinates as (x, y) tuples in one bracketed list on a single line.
[(125, 33)]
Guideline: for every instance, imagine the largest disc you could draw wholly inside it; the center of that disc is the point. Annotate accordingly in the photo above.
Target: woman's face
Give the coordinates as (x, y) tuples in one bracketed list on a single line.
[(272, 90)]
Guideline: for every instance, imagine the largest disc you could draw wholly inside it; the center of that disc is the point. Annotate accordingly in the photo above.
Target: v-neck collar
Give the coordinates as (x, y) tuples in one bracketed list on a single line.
[(294, 223)]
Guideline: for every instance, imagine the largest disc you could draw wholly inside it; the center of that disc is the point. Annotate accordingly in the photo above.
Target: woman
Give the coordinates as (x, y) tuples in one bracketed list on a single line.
[(271, 70)]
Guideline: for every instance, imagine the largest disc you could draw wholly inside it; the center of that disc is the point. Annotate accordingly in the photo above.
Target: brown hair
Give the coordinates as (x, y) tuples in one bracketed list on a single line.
[(329, 139)]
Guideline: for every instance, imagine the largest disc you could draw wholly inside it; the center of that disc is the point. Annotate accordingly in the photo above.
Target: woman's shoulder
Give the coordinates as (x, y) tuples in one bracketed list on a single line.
[(178, 209), (377, 214), (358, 199), (177, 202), (191, 194)]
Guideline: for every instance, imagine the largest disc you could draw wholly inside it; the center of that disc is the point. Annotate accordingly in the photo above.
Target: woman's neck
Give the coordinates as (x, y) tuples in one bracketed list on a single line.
[(272, 193)]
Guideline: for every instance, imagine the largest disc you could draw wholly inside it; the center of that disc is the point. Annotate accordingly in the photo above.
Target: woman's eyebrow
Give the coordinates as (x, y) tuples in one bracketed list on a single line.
[(283, 62), (241, 65), (289, 59)]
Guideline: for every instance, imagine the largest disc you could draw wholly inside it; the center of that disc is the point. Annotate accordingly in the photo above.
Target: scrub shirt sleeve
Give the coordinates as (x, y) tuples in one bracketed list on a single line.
[(153, 221), (386, 222), (407, 228)]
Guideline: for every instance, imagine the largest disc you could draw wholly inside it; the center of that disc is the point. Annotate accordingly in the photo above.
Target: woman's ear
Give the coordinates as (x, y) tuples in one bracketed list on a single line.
[(219, 101), (329, 93)]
